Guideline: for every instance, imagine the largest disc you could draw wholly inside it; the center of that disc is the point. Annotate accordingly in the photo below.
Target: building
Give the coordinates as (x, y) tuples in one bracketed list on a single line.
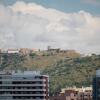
[(25, 51), (12, 51), (3, 51), (96, 86), (74, 93), (56, 50), (27, 85)]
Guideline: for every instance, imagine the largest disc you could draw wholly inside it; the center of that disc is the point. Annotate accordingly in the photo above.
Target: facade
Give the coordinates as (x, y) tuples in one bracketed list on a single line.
[(96, 86), (9, 51), (73, 93), (27, 85), (12, 51)]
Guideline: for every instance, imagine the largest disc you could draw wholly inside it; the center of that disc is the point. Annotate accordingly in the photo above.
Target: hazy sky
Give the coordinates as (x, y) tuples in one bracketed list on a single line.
[(69, 24)]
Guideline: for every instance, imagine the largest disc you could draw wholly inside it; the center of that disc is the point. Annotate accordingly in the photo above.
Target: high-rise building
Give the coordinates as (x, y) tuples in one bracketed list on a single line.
[(27, 85), (96, 86)]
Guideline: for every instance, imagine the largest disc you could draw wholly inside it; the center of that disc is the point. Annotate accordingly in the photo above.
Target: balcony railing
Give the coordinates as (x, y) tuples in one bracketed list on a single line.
[(22, 95), (20, 80), (22, 85), (22, 90)]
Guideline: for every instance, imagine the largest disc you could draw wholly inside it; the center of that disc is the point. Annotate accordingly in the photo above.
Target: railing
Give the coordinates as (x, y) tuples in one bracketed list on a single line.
[(22, 99), (22, 95), (22, 85), (16, 80), (22, 89)]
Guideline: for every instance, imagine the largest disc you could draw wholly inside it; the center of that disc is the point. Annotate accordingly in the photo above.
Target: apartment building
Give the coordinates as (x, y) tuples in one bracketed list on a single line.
[(74, 93), (27, 85)]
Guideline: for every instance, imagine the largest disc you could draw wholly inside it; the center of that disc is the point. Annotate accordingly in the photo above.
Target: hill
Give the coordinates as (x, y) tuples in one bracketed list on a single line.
[(72, 71), (64, 68), (35, 60)]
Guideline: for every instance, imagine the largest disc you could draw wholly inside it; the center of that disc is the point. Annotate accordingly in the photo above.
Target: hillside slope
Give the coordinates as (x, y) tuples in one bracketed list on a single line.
[(64, 69), (72, 71)]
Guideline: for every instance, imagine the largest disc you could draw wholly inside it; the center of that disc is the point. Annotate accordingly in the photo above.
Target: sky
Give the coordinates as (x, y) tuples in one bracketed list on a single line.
[(66, 24)]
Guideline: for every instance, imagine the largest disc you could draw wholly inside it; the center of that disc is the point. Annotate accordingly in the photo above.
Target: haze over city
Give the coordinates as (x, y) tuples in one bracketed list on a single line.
[(66, 24)]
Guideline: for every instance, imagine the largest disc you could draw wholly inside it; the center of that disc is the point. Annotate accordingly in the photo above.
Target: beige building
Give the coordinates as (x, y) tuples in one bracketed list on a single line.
[(74, 93), (25, 51)]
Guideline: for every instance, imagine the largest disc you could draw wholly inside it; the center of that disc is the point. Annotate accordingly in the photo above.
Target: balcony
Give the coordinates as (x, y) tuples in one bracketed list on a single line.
[(22, 99), (26, 85), (22, 90), (36, 95), (23, 80)]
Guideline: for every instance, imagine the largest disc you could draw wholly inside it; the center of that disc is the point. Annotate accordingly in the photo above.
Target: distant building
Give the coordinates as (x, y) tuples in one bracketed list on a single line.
[(53, 50), (12, 51), (25, 51), (73, 93), (96, 86), (3, 50), (8, 51), (27, 85)]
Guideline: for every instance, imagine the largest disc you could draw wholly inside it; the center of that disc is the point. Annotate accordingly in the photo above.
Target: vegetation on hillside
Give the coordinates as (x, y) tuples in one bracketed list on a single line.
[(63, 70), (72, 71)]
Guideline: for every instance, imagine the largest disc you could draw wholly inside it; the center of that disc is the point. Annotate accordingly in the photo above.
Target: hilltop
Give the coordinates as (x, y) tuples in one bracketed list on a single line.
[(39, 60)]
